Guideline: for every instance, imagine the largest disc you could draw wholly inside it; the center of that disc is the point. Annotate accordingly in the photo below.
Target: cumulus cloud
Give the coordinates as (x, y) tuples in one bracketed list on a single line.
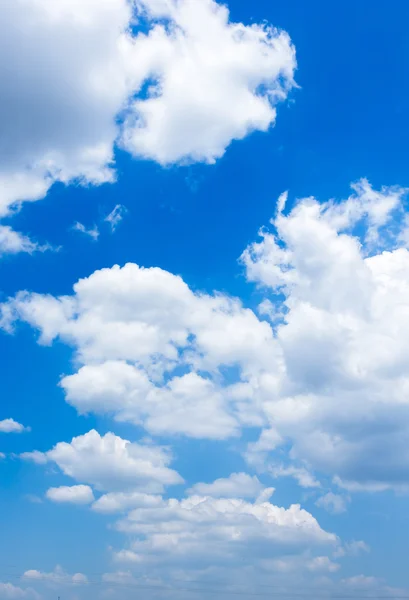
[(99, 82), (327, 379), (132, 327), (237, 485), (12, 426), (57, 576), (12, 242), (218, 529), (343, 334), (10, 591), (218, 81), (300, 474), (35, 456), (123, 501), (322, 563), (108, 462), (75, 494)]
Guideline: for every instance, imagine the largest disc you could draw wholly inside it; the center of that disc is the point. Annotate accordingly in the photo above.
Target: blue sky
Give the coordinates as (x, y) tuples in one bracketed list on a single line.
[(280, 357)]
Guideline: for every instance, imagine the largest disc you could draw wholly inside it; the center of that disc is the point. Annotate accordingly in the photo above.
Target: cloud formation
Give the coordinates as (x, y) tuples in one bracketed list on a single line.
[(327, 378), (90, 81), (218, 531), (75, 494), (12, 426), (108, 462)]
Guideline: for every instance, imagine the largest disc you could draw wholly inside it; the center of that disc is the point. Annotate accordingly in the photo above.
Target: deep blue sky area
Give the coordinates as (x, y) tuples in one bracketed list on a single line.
[(347, 119)]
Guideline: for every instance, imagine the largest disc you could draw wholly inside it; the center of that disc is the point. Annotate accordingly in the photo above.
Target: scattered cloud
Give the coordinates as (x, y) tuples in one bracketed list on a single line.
[(12, 426), (115, 216), (10, 591), (108, 462), (327, 382), (12, 242), (124, 501), (57, 576), (237, 485), (304, 478), (333, 503), (212, 79), (37, 457), (93, 233), (75, 494)]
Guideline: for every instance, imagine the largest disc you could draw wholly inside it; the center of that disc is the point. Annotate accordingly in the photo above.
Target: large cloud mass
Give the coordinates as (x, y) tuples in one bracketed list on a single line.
[(80, 77), (329, 371)]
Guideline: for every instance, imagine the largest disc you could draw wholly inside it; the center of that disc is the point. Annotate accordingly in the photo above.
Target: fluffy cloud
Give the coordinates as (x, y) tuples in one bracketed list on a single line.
[(109, 462), (322, 563), (218, 529), (12, 242), (218, 81), (190, 404), (124, 501), (14, 592), (12, 426), (80, 92), (300, 474), (343, 281), (133, 328), (58, 576), (237, 485), (75, 494), (327, 378)]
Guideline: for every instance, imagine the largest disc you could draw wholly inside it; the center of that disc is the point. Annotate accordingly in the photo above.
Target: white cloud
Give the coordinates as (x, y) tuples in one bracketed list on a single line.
[(14, 592), (2, 455), (333, 503), (124, 501), (75, 494), (12, 242), (344, 282), (218, 82), (57, 576), (39, 458), (12, 426), (212, 79), (304, 478), (115, 216), (131, 328), (322, 563), (327, 380), (356, 547), (237, 485), (218, 529), (93, 232), (109, 462), (190, 404)]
